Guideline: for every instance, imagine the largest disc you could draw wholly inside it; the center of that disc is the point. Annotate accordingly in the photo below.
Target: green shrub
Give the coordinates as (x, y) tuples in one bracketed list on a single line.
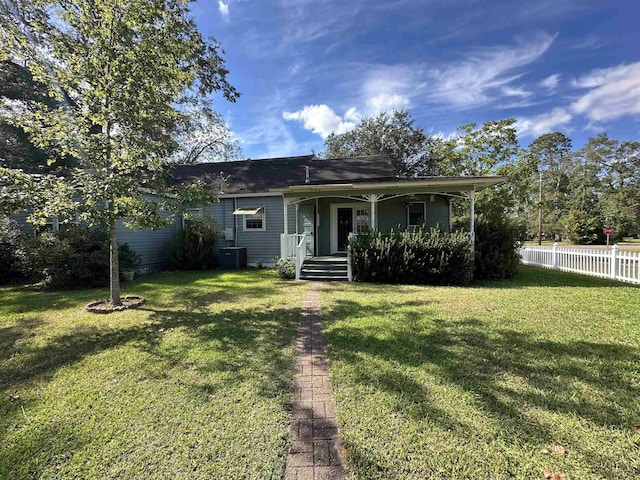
[(411, 257), (11, 241), (128, 259), (583, 228), (285, 268), (193, 247), (76, 257), (495, 248)]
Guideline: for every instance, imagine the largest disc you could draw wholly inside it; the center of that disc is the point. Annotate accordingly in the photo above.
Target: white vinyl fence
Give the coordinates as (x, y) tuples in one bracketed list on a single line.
[(612, 263)]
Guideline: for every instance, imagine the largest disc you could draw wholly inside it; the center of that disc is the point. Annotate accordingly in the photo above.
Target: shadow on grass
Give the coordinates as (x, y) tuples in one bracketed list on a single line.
[(221, 286), (254, 345), (507, 373), (70, 439)]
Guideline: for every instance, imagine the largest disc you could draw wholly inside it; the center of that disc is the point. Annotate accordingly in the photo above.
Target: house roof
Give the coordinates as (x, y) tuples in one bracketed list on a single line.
[(257, 176), (288, 176)]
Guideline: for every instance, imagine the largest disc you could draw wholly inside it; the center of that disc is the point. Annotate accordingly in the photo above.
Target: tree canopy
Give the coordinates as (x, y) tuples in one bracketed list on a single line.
[(582, 190), (393, 134), (205, 138), (122, 73)]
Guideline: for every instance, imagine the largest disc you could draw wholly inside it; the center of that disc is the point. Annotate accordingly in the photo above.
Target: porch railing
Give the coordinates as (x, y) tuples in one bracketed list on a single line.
[(288, 244), (294, 246), (301, 253)]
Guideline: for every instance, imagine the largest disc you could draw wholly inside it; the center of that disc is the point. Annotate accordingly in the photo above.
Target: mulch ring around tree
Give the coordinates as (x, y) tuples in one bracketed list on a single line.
[(104, 306)]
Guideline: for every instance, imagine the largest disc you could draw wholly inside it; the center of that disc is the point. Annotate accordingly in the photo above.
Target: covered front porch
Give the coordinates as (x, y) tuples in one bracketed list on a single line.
[(319, 219)]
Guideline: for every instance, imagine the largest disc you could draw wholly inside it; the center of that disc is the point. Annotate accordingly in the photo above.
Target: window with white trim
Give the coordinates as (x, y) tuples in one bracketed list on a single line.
[(189, 215), (416, 213), (255, 221), (51, 224), (362, 220)]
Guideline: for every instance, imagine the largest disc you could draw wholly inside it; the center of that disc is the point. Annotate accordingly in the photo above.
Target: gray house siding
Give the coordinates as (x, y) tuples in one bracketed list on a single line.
[(222, 213), (262, 246), (21, 218), (324, 233), (149, 244), (438, 213), (291, 216), (393, 213)]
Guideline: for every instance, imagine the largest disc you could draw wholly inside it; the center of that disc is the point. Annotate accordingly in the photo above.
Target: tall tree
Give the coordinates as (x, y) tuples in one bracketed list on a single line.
[(490, 149), (478, 151), (616, 167), (396, 135), (205, 138), (551, 155), (122, 72)]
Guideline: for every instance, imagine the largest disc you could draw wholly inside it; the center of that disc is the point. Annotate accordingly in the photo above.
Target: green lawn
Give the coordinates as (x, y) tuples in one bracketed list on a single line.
[(488, 382), (430, 382), (195, 384)]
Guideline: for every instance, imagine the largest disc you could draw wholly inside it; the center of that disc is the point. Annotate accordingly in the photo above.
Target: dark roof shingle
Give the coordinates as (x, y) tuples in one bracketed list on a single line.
[(257, 176)]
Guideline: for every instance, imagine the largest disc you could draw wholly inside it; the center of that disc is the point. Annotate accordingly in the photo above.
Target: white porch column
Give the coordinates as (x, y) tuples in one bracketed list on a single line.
[(374, 200), (297, 218), (285, 203), (472, 221)]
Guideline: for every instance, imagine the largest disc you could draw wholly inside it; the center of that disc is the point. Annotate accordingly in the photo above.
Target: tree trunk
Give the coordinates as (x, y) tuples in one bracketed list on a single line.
[(114, 269)]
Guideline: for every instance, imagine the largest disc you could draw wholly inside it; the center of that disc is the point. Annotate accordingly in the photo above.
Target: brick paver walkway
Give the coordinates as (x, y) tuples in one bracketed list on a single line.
[(314, 453)]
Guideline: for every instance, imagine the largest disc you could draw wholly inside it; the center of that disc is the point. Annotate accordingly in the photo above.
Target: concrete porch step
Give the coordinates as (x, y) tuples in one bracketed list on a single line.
[(328, 269), (323, 278), (328, 272)]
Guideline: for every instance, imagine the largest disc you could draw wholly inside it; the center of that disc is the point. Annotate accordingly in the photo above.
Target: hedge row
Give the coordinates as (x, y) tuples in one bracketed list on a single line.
[(414, 257), (436, 258)]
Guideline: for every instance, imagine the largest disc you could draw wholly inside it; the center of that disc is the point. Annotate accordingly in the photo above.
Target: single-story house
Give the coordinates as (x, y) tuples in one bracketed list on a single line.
[(307, 206)]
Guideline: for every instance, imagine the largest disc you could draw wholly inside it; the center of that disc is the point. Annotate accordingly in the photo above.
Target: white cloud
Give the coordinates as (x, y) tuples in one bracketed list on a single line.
[(594, 78), (551, 82), (352, 115), (592, 42), (544, 123), (224, 9), (387, 102), (485, 73), (309, 20), (271, 136), (389, 87), (514, 92), (616, 93), (322, 120)]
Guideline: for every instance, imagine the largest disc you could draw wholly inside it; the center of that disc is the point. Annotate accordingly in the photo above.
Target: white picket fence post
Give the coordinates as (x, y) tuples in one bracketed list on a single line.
[(614, 261), (554, 256)]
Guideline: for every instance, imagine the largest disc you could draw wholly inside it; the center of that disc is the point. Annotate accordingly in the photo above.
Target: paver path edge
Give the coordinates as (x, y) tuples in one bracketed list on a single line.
[(315, 449)]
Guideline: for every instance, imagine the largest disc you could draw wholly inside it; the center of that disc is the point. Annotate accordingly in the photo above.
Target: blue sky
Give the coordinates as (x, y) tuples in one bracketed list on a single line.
[(306, 68)]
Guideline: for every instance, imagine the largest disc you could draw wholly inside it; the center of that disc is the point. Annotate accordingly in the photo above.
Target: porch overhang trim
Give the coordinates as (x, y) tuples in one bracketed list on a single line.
[(247, 211), (461, 184)]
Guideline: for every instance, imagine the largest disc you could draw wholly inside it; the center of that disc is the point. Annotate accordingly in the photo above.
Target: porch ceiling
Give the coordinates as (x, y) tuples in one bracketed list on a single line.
[(396, 187)]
